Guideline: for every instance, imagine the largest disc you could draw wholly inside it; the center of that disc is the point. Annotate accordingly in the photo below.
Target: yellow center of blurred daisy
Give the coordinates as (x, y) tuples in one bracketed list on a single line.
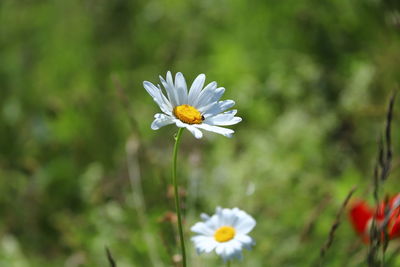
[(188, 114), (224, 233)]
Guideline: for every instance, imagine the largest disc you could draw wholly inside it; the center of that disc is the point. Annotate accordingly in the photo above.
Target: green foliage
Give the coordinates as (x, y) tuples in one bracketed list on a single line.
[(311, 80)]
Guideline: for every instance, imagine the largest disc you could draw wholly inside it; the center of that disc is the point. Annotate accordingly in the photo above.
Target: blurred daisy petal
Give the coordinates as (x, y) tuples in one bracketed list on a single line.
[(220, 233)]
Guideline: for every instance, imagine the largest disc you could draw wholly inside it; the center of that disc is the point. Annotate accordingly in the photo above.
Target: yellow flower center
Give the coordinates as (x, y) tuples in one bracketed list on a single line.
[(188, 114), (224, 233)]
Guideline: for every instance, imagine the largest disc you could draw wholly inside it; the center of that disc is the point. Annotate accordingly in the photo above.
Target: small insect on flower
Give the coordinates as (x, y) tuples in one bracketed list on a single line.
[(195, 109), (361, 217), (225, 231)]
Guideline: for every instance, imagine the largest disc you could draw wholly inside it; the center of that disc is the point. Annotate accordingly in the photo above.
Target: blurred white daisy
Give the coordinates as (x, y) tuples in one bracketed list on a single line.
[(226, 232), (193, 109)]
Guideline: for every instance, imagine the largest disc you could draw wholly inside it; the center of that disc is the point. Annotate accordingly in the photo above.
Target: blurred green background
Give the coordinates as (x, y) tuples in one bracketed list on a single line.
[(80, 168)]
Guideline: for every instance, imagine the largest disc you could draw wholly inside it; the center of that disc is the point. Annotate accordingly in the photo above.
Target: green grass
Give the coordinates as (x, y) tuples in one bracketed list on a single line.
[(311, 80)]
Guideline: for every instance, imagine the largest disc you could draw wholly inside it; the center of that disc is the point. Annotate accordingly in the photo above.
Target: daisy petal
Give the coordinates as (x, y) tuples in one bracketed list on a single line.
[(180, 124), (202, 228), (171, 85), (214, 222), (233, 121), (161, 120), (204, 243), (170, 81), (224, 119), (229, 252), (204, 216), (246, 240), (158, 97), (210, 246), (170, 89), (181, 88), (151, 89), (195, 89), (204, 93), (209, 95), (196, 132), (166, 101), (231, 112), (228, 217), (217, 107), (236, 246), (220, 249), (245, 224), (216, 129), (225, 250)]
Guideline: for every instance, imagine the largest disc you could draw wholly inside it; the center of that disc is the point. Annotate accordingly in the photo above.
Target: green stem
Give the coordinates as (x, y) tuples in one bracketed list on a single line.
[(228, 263), (176, 194)]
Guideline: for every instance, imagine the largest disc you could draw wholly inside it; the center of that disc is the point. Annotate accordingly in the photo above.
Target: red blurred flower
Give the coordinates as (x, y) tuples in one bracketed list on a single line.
[(361, 216)]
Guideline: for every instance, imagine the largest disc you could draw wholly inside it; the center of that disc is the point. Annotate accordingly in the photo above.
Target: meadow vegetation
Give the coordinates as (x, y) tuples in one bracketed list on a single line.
[(80, 168)]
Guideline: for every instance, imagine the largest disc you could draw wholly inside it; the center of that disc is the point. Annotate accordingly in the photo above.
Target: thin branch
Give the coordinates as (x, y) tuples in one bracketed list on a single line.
[(110, 258), (388, 139), (335, 226), (381, 173)]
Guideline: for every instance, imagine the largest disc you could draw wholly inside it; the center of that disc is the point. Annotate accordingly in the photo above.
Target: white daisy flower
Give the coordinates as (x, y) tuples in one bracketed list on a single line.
[(195, 109), (226, 232)]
